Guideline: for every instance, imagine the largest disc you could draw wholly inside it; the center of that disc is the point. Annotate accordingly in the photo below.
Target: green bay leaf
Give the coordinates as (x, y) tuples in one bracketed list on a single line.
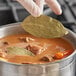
[(18, 51), (44, 26)]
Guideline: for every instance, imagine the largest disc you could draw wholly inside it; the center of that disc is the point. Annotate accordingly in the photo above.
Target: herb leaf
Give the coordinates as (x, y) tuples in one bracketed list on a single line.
[(44, 26), (18, 51)]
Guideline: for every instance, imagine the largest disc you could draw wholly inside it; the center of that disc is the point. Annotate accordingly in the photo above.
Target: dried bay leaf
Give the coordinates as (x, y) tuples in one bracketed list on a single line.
[(44, 26), (18, 51)]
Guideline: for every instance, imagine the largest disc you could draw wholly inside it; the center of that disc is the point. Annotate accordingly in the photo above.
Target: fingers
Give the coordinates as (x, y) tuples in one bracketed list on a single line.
[(40, 3), (36, 9), (54, 5), (31, 7)]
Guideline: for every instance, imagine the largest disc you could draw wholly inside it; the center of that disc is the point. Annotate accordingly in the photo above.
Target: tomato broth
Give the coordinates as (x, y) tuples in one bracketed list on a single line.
[(41, 50)]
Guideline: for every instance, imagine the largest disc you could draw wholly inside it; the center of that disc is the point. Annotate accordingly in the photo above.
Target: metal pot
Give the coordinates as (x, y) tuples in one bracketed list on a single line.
[(63, 67)]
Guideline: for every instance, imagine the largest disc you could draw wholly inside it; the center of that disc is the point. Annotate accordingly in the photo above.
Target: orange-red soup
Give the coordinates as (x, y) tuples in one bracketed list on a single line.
[(44, 50)]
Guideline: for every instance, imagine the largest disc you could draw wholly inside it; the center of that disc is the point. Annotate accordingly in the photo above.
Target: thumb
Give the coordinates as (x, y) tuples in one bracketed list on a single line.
[(40, 3), (31, 7)]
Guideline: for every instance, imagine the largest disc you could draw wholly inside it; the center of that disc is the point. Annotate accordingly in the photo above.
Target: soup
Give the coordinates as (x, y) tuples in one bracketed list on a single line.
[(27, 49)]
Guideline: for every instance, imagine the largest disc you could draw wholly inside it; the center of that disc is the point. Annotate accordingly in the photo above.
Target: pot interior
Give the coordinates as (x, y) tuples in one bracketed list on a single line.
[(16, 28)]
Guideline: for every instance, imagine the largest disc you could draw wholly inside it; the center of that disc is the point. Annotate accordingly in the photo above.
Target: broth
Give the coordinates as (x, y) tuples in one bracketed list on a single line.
[(44, 50)]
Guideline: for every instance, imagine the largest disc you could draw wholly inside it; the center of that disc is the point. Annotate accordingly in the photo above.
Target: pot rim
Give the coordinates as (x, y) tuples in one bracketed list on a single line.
[(58, 61)]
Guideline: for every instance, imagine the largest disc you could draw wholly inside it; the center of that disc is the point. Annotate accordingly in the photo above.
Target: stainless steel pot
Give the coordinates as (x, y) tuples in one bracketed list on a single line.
[(64, 67)]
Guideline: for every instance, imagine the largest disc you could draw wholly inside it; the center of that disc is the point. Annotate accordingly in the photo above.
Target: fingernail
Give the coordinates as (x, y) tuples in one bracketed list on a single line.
[(59, 12)]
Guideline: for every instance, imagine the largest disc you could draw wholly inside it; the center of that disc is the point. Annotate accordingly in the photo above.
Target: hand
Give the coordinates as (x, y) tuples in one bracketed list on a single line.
[(35, 7)]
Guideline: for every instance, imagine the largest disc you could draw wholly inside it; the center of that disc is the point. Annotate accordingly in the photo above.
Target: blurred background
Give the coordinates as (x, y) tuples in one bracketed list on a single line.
[(11, 12)]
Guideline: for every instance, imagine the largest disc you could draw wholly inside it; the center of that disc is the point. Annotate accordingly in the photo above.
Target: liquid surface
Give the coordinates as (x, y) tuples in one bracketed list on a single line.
[(27, 49)]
